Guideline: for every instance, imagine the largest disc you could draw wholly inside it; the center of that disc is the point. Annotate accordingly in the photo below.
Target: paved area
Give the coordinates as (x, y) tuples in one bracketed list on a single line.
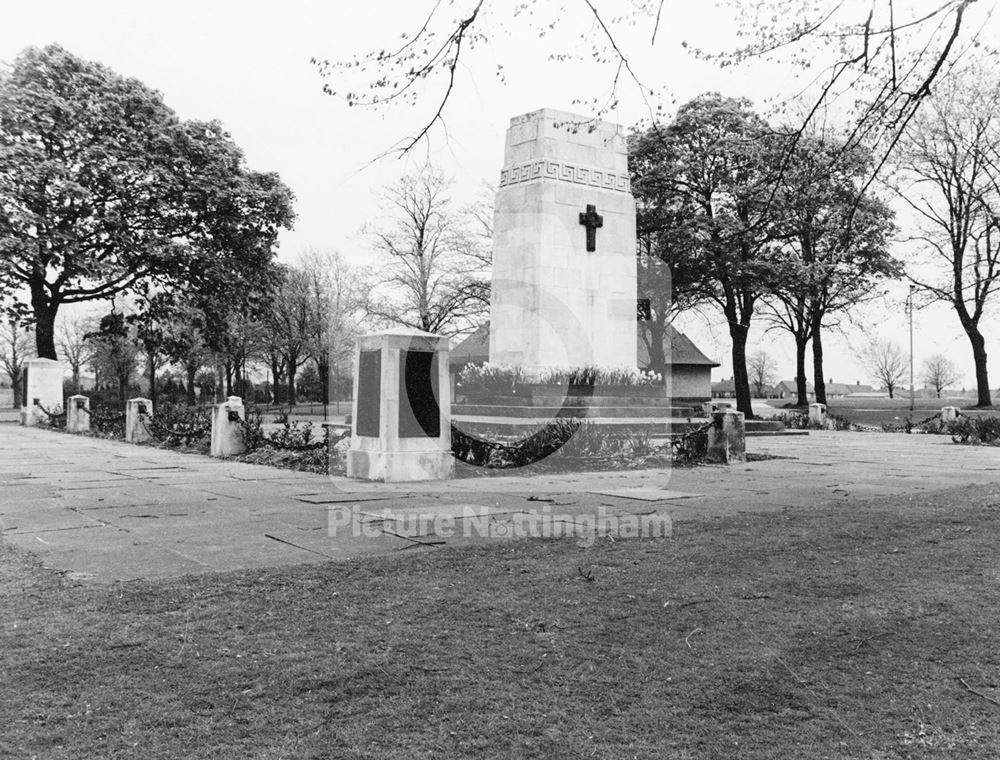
[(106, 511)]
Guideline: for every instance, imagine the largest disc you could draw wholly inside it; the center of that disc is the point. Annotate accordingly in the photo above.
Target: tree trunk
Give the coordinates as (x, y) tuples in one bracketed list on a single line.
[(801, 389), (741, 378), (817, 345), (15, 384), (276, 377), (45, 324), (323, 367), (292, 361), (151, 369), (979, 356), (191, 370)]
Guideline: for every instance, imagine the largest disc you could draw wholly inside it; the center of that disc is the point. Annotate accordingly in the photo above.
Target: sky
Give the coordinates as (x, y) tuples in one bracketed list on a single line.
[(248, 64)]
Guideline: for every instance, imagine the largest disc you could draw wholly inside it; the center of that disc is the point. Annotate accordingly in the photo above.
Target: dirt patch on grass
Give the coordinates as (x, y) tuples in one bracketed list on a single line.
[(823, 634)]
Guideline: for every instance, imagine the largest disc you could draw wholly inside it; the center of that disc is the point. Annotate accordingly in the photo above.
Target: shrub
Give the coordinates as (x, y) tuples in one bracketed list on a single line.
[(974, 430)]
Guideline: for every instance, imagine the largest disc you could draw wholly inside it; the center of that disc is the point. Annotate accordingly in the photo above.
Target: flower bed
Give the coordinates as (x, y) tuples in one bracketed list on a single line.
[(489, 381)]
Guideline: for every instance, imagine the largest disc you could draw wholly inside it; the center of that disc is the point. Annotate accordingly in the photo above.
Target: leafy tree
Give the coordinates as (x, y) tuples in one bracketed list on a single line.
[(431, 272), (103, 190), (950, 178), (714, 177), (16, 343), (669, 275), (762, 372), (939, 372), (886, 362), (834, 250)]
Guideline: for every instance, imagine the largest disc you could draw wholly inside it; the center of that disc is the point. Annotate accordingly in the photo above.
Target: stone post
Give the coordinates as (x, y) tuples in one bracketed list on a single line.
[(137, 413), (41, 388), (949, 413), (401, 417), (708, 408), (78, 414), (727, 438), (817, 414), (227, 430)]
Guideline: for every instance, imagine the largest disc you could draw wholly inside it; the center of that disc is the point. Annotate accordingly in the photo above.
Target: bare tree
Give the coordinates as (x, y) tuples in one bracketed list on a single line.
[(290, 326), (887, 363), (950, 177), (334, 300), (762, 371), (939, 372), (885, 57), (432, 267), (71, 340), (16, 346)]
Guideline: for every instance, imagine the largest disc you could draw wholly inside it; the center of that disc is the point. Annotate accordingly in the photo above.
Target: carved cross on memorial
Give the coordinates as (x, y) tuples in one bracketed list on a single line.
[(592, 221)]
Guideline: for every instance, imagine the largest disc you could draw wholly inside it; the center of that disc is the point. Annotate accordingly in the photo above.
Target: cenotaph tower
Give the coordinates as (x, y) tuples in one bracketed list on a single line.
[(564, 247)]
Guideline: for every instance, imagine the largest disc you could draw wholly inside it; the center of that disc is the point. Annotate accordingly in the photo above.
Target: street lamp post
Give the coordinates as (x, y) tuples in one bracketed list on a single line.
[(909, 312)]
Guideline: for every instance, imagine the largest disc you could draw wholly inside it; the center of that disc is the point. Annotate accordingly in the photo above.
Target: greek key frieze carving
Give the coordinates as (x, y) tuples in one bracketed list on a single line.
[(578, 175)]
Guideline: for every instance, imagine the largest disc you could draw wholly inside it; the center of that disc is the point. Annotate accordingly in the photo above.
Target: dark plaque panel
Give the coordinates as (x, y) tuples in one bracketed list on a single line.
[(419, 414), (369, 393)]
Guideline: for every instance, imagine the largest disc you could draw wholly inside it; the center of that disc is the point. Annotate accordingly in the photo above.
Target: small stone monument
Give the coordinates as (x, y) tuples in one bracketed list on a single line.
[(949, 413), (564, 266), (402, 408), (227, 428), (727, 438), (817, 414), (77, 414), (41, 389), (137, 413)]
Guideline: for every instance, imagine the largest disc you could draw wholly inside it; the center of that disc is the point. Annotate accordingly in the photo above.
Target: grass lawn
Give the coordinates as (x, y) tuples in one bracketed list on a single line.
[(857, 632), (886, 411)]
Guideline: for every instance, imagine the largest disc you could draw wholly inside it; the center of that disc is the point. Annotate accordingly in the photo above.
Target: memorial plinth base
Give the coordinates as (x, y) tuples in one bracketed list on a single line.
[(400, 466)]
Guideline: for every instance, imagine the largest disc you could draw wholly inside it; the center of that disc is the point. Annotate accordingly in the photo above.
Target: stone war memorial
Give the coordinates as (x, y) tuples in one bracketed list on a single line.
[(563, 314), (564, 304)]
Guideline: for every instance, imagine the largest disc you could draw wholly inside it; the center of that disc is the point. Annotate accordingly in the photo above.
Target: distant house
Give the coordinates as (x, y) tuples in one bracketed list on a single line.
[(724, 389), (839, 390), (787, 389), (690, 370)]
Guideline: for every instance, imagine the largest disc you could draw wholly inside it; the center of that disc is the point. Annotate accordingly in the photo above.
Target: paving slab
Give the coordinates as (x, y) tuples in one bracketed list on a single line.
[(109, 511)]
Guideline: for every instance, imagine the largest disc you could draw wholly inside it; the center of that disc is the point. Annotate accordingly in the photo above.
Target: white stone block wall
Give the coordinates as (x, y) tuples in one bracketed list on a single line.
[(553, 302)]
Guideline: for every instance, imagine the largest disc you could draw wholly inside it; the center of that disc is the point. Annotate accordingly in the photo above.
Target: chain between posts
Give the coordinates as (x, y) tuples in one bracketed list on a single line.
[(924, 422), (678, 441), (257, 438), (104, 419), (187, 432), (51, 415)]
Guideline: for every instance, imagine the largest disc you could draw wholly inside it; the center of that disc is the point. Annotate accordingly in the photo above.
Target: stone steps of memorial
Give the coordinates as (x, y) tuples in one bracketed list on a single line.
[(590, 412), (656, 427), (649, 402)]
